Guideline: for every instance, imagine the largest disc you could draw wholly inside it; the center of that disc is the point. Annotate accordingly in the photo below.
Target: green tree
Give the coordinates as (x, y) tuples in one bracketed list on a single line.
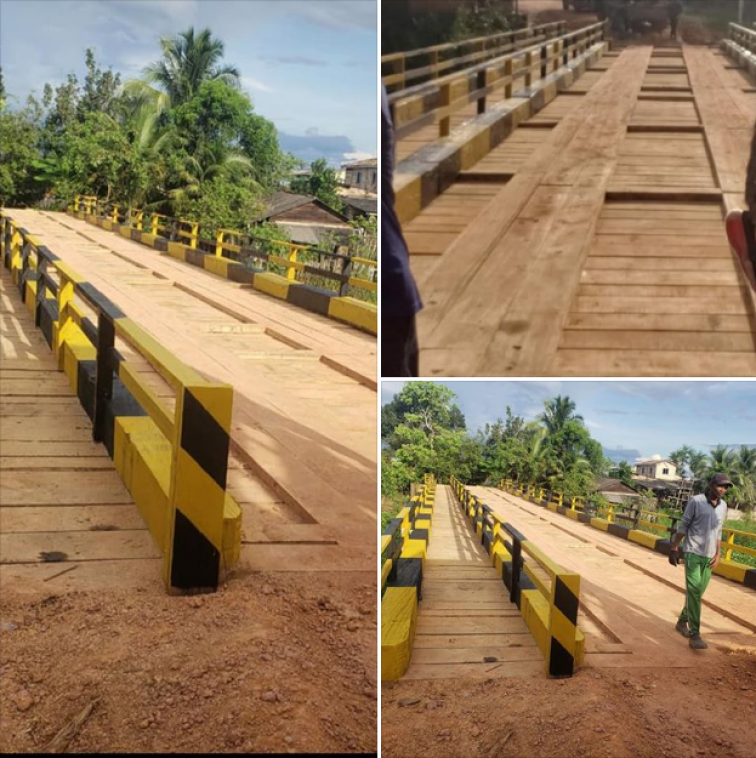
[(626, 474), (19, 137), (682, 458), (2, 90), (188, 60), (557, 413), (321, 183), (100, 87)]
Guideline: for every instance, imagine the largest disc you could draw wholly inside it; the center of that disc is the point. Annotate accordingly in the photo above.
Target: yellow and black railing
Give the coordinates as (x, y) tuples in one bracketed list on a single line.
[(171, 450), (547, 595), (638, 525), (340, 286), (405, 69), (740, 44), (404, 544)]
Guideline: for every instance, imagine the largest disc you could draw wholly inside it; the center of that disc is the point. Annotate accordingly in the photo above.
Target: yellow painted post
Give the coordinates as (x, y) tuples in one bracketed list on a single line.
[(730, 544), (400, 65), (66, 293), (610, 513), (16, 245), (154, 222), (195, 235), (219, 243), (434, 64), (76, 203), (560, 499), (114, 214), (291, 272), (528, 69)]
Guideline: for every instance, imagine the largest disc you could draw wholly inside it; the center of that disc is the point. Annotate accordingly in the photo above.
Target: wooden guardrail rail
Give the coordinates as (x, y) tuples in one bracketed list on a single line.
[(404, 545), (172, 453), (403, 69), (547, 595), (333, 284), (639, 525), (439, 100)]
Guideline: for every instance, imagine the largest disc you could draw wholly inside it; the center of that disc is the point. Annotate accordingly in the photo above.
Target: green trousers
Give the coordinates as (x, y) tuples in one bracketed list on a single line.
[(697, 575)]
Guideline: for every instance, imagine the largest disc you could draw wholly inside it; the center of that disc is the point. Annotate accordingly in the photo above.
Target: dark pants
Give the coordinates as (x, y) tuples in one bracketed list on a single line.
[(399, 351), (673, 24)]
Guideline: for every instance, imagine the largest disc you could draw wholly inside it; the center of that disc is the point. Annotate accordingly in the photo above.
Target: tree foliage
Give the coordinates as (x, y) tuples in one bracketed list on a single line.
[(321, 183), (184, 140)]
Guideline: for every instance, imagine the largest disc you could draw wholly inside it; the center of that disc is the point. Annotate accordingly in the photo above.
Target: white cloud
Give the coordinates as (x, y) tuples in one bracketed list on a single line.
[(255, 84)]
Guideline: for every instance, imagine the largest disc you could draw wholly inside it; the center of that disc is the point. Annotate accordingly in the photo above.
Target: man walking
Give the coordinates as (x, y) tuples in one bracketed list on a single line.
[(701, 525), (675, 10)]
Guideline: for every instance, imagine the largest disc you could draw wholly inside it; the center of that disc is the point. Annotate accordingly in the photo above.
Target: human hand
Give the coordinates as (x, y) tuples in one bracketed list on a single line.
[(714, 562), (674, 557)]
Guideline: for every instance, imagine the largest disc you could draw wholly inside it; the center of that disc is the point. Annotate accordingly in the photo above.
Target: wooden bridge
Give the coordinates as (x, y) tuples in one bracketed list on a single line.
[(629, 597), (563, 205), (302, 463)]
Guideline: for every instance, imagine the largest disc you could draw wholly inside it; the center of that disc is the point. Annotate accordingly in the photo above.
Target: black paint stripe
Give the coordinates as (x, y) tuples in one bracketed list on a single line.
[(561, 663), (749, 580), (205, 439), (565, 601), (195, 561), (102, 303)]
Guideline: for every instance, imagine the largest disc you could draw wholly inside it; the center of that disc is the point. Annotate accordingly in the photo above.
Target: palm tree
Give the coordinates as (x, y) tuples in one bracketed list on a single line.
[(188, 60), (698, 464), (558, 411), (744, 475)]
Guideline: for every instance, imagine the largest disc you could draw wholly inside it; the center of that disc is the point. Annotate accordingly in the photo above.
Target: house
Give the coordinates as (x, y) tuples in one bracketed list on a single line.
[(362, 175), (614, 491), (656, 468), (359, 204), (308, 220)]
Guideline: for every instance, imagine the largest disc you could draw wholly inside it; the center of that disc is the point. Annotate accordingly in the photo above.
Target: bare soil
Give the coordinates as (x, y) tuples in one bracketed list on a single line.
[(282, 662), (709, 710)]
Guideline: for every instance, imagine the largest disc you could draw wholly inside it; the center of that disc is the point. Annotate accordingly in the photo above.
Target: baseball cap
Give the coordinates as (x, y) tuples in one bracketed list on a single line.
[(721, 479)]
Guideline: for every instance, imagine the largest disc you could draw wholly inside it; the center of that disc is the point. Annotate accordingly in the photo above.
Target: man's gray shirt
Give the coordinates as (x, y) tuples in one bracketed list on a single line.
[(702, 526)]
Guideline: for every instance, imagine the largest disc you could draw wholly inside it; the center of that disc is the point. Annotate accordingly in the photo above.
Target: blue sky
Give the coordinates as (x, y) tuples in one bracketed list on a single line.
[(651, 417), (310, 66)]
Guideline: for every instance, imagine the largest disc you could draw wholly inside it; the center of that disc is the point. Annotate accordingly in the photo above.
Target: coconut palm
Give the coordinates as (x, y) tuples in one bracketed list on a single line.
[(744, 475), (188, 60), (558, 411)]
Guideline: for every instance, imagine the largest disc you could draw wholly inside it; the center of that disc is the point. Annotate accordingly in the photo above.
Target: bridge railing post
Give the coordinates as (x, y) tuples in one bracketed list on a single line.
[(444, 124), (480, 84)]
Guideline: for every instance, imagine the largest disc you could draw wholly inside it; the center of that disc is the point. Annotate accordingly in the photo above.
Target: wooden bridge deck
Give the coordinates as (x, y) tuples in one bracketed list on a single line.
[(630, 596), (465, 614), (303, 460), (591, 241)]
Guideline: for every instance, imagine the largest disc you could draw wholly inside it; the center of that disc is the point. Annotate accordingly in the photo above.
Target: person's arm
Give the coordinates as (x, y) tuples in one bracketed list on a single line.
[(714, 562), (684, 525)]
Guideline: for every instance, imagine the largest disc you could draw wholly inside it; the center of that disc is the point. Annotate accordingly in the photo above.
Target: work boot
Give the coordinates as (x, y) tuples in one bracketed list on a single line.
[(682, 628), (696, 642)]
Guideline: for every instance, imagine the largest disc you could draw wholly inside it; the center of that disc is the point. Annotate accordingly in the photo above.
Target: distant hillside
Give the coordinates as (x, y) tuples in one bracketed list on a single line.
[(622, 454)]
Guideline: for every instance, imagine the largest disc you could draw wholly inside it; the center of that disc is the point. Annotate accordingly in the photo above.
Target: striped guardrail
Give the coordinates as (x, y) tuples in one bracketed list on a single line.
[(410, 67), (547, 595), (740, 44), (629, 523), (317, 280), (173, 459), (404, 544)]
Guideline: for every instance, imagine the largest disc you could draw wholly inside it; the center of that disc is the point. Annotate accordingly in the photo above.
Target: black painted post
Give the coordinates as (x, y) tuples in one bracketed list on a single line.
[(104, 375), (481, 83), (514, 593), (347, 272), (543, 61)]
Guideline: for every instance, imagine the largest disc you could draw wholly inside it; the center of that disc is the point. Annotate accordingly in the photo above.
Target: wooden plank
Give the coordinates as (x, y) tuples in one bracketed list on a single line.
[(52, 450), (21, 488), (510, 669), (77, 546), (644, 322), (72, 518), (46, 429), (440, 656), (55, 464)]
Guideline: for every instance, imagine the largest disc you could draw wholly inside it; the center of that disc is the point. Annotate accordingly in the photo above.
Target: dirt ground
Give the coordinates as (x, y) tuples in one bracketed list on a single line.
[(274, 663), (599, 713)]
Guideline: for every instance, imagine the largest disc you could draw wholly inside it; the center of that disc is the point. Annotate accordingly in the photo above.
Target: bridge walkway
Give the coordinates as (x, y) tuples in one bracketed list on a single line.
[(66, 518), (303, 460), (465, 615), (592, 243), (630, 596)]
